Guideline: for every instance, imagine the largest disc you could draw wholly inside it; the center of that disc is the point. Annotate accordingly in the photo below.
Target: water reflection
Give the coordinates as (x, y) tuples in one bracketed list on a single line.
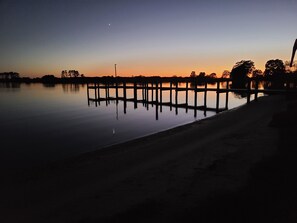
[(49, 85), (56, 122), (71, 87), (10, 85)]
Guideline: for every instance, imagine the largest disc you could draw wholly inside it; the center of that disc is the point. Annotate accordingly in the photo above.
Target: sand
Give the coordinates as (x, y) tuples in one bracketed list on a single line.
[(172, 176)]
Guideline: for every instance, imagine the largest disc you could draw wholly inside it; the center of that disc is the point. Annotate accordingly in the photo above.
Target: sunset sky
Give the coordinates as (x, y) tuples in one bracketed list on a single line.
[(159, 37)]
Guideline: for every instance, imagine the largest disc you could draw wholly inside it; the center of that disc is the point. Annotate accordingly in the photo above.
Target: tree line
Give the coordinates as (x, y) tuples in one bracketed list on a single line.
[(70, 74), (9, 75), (240, 71), (246, 68)]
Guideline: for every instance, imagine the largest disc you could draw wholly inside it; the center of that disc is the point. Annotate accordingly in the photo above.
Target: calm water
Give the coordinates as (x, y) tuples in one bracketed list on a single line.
[(44, 123)]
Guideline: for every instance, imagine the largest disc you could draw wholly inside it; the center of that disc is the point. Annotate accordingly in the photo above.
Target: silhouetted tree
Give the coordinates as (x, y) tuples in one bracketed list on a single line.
[(64, 74), (239, 74), (202, 74), (226, 74), (242, 69), (73, 73), (70, 73), (193, 74), (274, 68), (257, 73), (48, 80), (14, 75), (48, 77), (212, 75), (9, 75)]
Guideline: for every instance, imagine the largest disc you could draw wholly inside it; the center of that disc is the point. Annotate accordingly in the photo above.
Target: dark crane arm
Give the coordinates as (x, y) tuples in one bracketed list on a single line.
[(293, 53)]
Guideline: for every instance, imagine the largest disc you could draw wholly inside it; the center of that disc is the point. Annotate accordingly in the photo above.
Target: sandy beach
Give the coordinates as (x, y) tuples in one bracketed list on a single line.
[(189, 173)]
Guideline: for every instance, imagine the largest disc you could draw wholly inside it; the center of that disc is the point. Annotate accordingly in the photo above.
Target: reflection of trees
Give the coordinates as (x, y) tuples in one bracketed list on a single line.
[(15, 85), (70, 87), (201, 80), (49, 85), (239, 94)]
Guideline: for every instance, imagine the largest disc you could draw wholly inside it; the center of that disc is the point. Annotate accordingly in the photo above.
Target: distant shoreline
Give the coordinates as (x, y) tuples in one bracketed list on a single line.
[(109, 79)]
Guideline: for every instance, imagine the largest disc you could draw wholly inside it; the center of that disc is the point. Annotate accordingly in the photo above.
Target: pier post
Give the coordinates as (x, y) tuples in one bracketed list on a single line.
[(205, 95), (152, 84), (146, 95), (176, 98), (161, 95), (125, 97), (187, 95), (157, 101), (143, 92), (135, 95), (187, 92), (98, 89), (218, 97), (157, 92), (249, 91), (124, 91), (227, 95), (95, 88), (256, 89), (106, 93), (108, 88), (170, 95), (117, 92), (88, 94), (195, 98), (176, 93)]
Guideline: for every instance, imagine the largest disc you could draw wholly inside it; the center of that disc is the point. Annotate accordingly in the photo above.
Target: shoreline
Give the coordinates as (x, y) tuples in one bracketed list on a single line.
[(151, 136), (163, 174)]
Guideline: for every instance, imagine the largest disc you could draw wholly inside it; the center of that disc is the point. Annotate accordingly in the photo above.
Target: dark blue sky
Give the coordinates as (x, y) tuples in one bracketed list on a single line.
[(143, 37)]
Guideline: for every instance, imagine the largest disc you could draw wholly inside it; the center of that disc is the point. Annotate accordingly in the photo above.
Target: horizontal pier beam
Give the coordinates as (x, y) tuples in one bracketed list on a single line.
[(166, 104)]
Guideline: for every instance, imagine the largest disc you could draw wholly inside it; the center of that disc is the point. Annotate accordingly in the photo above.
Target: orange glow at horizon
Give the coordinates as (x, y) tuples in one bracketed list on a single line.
[(182, 71), (164, 67)]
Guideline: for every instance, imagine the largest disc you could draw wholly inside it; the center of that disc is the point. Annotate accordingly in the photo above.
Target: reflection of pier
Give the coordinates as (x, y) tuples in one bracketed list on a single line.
[(150, 92)]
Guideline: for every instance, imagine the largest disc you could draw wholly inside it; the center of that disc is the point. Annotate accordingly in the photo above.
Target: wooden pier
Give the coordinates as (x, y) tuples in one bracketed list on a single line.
[(150, 92)]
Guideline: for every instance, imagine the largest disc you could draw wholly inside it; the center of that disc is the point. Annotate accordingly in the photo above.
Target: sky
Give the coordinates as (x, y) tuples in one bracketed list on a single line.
[(156, 37)]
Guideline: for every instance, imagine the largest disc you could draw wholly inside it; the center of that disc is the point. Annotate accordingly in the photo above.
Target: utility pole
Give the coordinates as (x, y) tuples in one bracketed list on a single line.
[(115, 70)]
